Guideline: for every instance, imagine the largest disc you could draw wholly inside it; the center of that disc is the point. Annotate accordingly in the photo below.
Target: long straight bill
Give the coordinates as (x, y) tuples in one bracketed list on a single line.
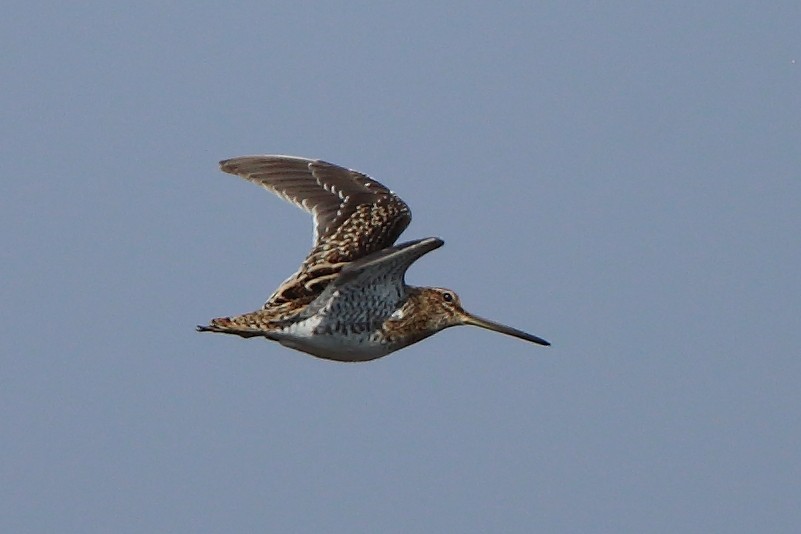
[(475, 320)]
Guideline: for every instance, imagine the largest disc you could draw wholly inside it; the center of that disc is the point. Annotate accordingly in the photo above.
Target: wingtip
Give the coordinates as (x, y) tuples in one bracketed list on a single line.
[(432, 243), (230, 165), (426, 243)]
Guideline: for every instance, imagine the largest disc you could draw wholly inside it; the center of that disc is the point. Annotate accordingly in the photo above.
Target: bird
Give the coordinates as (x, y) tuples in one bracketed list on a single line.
[(348, 301)]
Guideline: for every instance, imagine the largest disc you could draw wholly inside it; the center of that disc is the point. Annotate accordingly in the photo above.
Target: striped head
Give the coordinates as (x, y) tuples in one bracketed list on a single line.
[(441, 308)]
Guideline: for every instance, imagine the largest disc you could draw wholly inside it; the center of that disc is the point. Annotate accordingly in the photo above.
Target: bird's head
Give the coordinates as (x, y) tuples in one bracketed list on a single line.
[(443, 309)]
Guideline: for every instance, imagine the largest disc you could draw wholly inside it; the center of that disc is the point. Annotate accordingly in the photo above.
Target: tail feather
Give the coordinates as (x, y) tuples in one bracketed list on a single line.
[(234, 326)]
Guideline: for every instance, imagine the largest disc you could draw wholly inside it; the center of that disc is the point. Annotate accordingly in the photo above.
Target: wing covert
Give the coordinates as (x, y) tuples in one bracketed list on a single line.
[(354, 215), (377, 278)]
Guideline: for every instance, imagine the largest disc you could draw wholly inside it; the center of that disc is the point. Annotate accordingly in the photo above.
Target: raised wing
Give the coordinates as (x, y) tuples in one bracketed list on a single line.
[(354, 215), (374, 283)]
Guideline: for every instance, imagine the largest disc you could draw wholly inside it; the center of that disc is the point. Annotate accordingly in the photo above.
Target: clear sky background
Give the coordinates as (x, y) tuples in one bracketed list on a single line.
[(621, 178)]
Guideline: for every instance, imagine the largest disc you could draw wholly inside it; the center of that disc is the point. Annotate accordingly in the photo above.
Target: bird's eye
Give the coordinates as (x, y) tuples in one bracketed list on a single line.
[(447, 297)]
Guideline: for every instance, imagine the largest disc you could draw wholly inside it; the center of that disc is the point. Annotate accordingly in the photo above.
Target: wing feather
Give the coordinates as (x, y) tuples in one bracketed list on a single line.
[(376, 280), (354, 215)]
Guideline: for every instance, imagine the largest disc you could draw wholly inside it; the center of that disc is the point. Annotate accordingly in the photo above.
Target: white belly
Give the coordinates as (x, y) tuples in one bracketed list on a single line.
[(350, 344)]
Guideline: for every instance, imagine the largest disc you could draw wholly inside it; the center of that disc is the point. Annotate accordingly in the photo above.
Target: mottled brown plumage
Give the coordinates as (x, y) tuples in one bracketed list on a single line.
[(348, 301), (354, 215)]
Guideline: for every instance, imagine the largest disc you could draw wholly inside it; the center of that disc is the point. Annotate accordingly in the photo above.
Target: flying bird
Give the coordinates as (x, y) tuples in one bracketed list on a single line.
[(348, 301)]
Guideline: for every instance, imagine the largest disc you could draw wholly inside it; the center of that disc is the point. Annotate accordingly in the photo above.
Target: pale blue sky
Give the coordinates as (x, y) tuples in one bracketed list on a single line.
[(623, 179)]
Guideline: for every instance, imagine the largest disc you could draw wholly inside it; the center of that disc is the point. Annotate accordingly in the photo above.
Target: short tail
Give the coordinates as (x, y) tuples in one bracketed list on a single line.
[(224, 325)]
